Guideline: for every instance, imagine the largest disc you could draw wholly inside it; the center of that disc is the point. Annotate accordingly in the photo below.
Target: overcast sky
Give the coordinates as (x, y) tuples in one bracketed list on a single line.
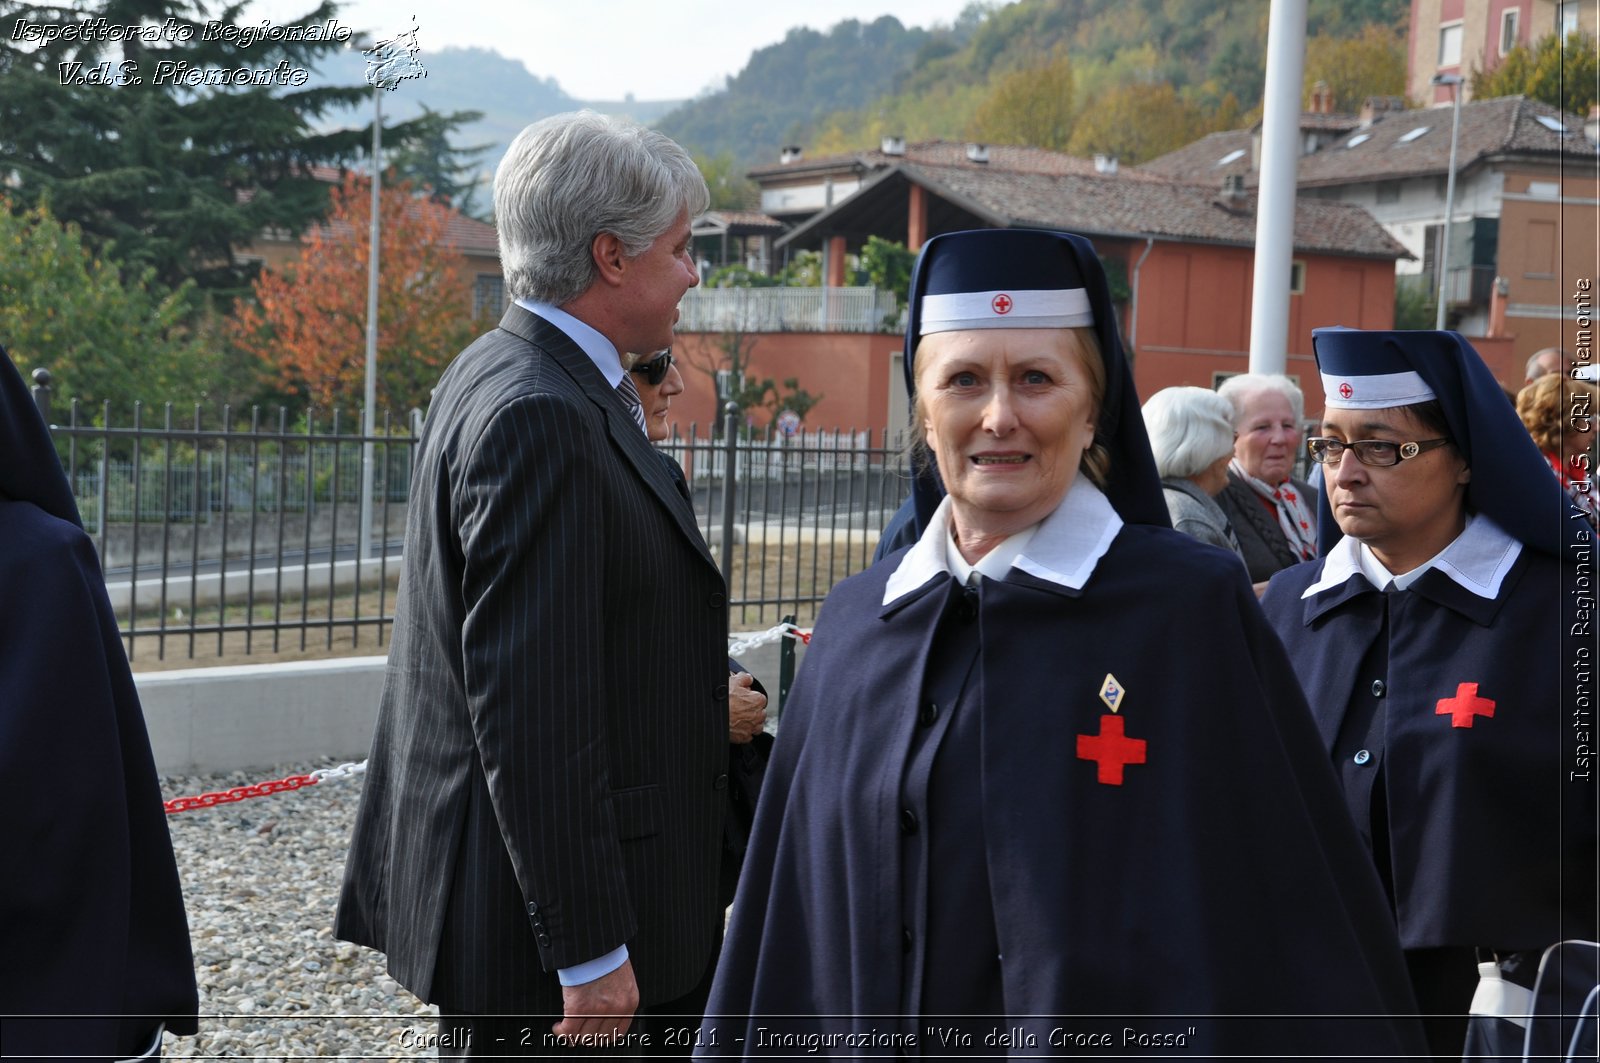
[(605, 49)]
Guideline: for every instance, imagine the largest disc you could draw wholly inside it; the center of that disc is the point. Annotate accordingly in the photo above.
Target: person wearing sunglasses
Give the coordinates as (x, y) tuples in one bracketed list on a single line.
[(657, 379), (1435, 640)]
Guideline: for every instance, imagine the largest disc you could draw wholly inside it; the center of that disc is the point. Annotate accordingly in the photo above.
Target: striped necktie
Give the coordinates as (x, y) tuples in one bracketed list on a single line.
[(630, 395)]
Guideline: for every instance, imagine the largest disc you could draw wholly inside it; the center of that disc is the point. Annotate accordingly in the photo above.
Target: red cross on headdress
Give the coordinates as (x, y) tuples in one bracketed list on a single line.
[(1345, 390), (1002, 303)]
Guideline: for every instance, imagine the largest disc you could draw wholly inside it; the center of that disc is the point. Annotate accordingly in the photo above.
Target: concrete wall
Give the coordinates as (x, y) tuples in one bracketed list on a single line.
[(345, 520), (296, 581), (258, 715), (261, 715)]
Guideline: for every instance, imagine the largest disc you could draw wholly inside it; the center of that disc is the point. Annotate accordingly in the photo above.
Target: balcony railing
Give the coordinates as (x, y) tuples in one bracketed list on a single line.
[(789, 310), (1463, 285)]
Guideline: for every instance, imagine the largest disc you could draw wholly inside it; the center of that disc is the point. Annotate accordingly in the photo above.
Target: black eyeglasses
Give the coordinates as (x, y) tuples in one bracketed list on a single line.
[(655, 370), (1325, 451)]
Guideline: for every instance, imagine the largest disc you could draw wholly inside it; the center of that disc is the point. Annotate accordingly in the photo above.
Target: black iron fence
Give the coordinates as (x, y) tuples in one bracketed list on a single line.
[(227, 534)]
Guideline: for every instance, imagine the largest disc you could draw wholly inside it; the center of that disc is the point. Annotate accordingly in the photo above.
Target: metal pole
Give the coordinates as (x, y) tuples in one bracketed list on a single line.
[(1454, 81), (730, 453), (370, 393), (1280, 158)]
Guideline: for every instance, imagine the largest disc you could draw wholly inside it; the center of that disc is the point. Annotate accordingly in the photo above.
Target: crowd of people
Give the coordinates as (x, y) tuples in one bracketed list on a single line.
[(1129, 730)]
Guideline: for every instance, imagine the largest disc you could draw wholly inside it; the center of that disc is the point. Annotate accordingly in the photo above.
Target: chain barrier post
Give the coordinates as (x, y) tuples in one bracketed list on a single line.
[(785, 666)]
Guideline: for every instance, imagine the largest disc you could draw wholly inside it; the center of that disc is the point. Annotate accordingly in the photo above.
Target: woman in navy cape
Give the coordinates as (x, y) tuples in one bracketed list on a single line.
[(1446, 644), (1054, 788), (94, 946)]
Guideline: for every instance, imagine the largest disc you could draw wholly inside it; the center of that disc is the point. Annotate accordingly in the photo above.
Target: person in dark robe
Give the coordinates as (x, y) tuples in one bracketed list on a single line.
[(1046, 781), (1444, 645), (94, 945)]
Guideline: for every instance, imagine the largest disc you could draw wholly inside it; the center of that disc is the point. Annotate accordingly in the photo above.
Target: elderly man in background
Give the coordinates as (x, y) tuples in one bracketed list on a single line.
[(1191, 437), (538, 842), (1546, 361)]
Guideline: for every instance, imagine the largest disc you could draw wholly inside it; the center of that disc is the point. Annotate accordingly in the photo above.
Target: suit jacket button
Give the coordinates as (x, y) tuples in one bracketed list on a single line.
[(533, 909), (928, 713), (1377, 688), (1362, 756), (544, 939), (905, 939), (720, 782), (717, 600), (908, 821), (720, 693)]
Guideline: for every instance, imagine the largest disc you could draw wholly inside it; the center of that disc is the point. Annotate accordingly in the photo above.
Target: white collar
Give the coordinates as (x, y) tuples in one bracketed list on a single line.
[(601, 351), (993, 564), (1478, 559), (1063, 548)]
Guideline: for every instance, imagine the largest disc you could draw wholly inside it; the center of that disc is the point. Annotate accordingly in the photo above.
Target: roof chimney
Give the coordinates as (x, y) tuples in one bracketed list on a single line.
[(894, 145), (789, 154), (978, 153), (1105, 164), (1321, 98), (1375, 107), (1233, 188)]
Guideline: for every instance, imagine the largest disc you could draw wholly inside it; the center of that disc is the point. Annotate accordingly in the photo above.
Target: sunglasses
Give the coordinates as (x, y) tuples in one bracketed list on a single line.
[(655, 370)]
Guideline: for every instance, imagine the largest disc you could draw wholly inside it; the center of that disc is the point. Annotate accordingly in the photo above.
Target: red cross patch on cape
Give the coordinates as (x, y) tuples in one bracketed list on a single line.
[(1111, 750), (1465, 707)]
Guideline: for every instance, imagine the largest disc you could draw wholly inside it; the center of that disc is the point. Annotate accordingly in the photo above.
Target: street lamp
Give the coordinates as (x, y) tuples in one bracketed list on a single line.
[(1454, 81)]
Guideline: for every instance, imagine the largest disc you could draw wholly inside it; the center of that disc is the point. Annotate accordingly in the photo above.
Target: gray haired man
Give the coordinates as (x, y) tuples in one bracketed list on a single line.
[(540, 830)]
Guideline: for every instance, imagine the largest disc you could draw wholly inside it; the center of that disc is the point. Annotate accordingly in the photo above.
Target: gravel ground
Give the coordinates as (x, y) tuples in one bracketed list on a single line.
[(261, 880)]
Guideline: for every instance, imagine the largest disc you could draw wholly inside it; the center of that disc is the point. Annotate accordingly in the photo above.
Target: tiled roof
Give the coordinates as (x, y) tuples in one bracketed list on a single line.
[(747, 220), (1006, 157), (1117, 206), (1506, 126), (1509, 125), (1203, 159)]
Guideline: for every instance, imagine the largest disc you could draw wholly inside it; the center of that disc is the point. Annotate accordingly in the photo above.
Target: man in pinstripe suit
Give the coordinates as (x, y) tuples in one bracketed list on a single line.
[(540, 827)]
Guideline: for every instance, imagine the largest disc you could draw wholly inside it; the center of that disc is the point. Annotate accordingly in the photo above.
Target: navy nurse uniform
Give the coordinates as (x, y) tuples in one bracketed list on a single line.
[(1446, 696), (94, 946), (1070, 799)]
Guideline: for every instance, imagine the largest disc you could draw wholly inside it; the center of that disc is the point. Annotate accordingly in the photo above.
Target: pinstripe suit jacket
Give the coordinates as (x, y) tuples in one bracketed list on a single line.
[(547, 778)]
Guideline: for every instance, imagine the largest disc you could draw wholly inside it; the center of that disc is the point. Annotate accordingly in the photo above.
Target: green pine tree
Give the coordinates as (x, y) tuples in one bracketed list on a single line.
[(116, 136)]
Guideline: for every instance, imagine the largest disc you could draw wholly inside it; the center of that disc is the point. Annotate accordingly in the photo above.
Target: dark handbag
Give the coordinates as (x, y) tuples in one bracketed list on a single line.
[(747, 767)]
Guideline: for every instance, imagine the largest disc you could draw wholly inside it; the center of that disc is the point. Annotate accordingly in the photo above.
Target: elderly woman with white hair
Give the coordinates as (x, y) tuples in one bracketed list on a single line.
[(1191, 437), (1271, 512)]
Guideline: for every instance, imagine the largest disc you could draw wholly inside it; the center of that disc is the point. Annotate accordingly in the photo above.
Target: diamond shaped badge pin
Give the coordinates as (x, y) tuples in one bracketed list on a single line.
[(1111, 692)]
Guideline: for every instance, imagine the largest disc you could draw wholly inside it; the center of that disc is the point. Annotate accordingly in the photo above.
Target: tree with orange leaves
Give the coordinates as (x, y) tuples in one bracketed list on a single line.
[(308, 322)]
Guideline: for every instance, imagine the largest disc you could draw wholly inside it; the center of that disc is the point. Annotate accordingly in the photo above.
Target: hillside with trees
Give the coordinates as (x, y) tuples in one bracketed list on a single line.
[(786, 86), (1064, 74)]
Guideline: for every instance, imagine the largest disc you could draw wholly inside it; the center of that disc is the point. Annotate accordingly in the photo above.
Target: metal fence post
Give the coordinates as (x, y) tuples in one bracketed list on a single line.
[(41, 392), (730, 450)]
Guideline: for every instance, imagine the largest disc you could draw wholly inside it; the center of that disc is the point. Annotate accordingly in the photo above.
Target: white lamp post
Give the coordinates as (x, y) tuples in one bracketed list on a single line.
[(1454, 81), (370, 392)]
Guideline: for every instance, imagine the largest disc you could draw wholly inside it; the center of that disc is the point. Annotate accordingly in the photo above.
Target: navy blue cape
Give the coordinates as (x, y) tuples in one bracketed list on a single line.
[(1222, 878), (91, 913)]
